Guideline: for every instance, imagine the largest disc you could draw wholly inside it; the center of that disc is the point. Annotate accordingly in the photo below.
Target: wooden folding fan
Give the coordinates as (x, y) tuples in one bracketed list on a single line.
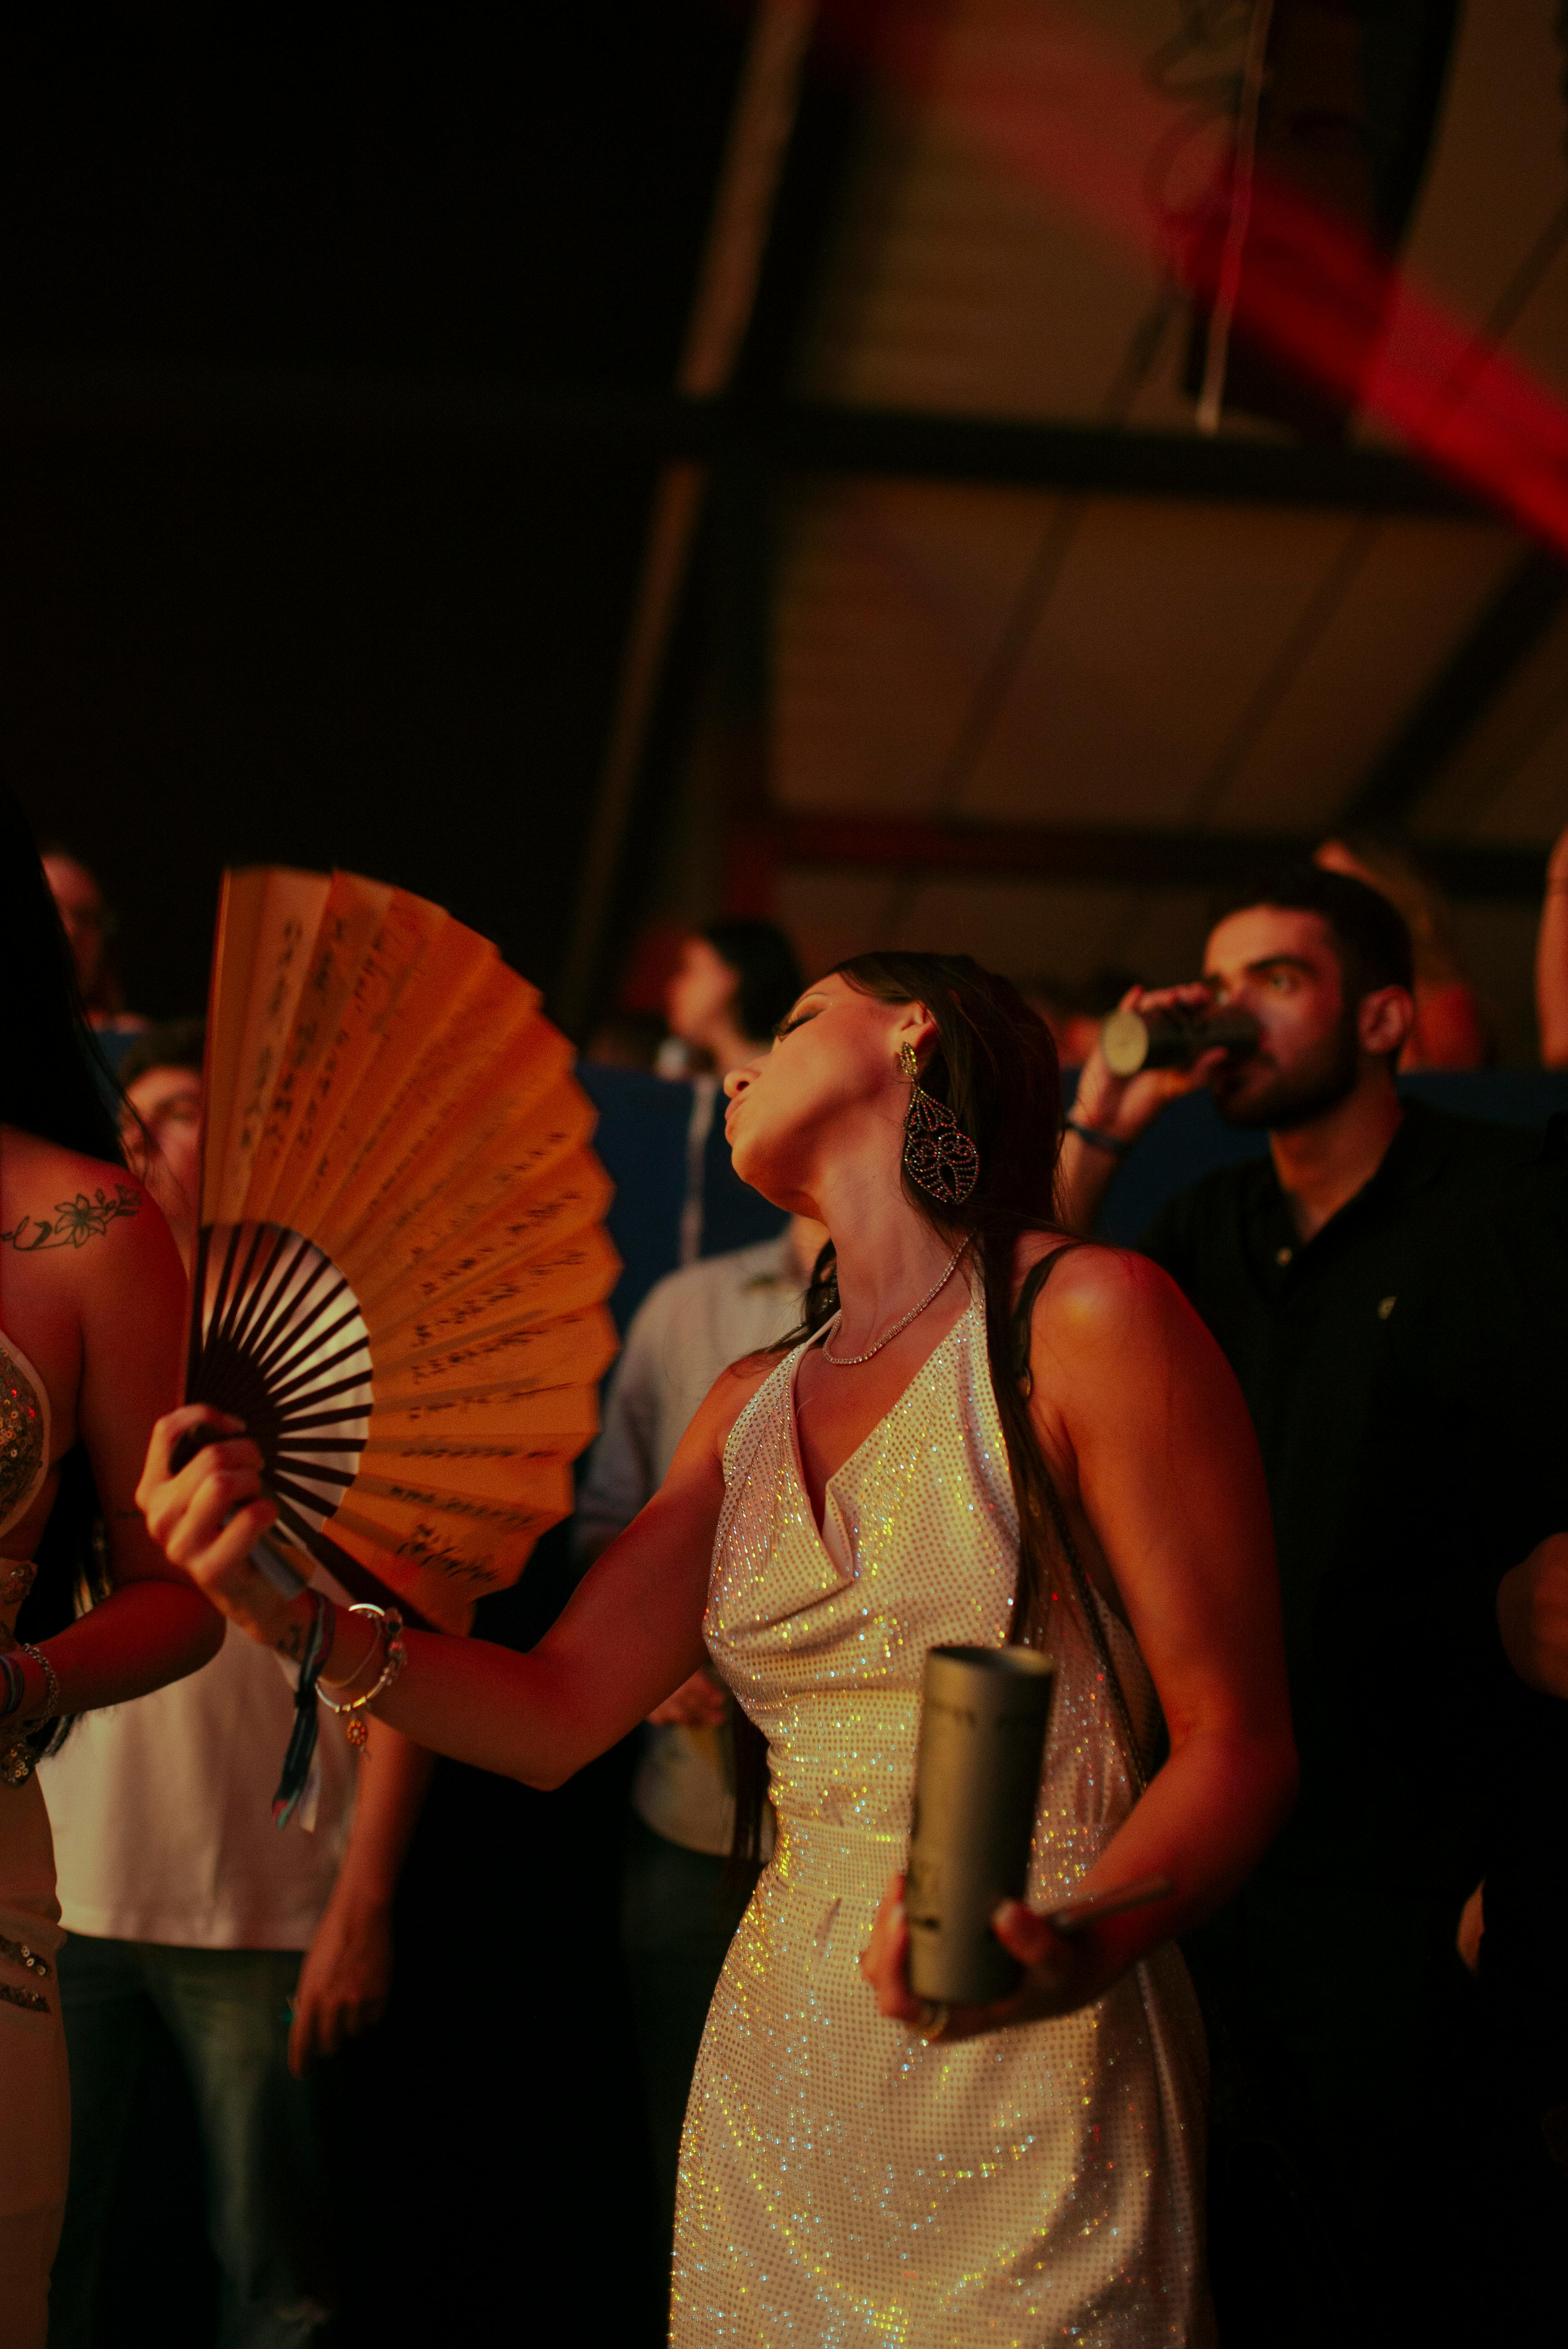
[(401, 1274)]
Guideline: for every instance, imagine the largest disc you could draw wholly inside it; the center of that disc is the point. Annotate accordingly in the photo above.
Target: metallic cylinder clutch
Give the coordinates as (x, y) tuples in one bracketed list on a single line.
[(1172, 1039), (977, 1781)]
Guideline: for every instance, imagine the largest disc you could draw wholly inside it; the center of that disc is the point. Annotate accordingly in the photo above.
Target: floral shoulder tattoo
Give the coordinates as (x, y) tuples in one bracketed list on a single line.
[(74, 1222)]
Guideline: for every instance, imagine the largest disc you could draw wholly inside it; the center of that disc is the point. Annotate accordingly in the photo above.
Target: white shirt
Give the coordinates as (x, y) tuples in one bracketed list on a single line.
[(690, 1326), (162, 1813)]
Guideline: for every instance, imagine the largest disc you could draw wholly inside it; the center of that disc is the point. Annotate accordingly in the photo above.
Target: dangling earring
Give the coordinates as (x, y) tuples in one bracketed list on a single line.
[(937, 1154)]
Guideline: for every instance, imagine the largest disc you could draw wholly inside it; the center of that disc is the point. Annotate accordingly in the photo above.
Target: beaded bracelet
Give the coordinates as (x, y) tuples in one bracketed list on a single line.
[(51, 1678), (394, 1657)]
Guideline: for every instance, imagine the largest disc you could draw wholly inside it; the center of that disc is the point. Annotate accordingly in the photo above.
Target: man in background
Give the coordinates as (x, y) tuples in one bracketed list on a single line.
[(735, 982), (1341, 2022), (680, 1914), (186, 1910), (161, 1077), (733, 985)]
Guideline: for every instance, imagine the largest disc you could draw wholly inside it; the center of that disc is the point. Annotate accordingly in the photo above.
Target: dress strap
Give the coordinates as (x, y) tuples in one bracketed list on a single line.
[(1022, 1334), (1034, 1280)]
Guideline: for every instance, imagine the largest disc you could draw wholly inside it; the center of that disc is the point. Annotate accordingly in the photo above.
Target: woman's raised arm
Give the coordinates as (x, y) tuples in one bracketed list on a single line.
[(631, 1632)]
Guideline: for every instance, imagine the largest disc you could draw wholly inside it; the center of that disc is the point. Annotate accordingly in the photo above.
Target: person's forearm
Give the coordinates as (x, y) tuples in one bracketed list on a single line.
[(394, 1776), (143, 1635), (1084, 1175), (1205, 1822), (488, 1706), (630, 1632), (537, 1717), (1552, 962), (593, 1528)]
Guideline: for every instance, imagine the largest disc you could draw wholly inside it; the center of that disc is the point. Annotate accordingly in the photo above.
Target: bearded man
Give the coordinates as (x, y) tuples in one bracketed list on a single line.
[(1341, 2020)]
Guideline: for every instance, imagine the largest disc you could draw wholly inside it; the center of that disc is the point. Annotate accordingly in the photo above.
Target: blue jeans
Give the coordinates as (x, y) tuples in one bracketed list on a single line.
[(226, 2011)]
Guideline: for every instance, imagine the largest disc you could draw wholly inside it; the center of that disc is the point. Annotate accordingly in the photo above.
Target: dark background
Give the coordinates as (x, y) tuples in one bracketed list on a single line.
[(331, 356)]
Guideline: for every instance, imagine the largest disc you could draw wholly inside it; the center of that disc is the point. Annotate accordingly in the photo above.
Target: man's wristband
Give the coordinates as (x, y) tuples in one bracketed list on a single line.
[(1097, 1139)]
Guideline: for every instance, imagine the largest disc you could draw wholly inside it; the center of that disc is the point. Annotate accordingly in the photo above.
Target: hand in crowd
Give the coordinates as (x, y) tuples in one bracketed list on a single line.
[(208, 1515), (1532, 1616), (1060, 1974), (345, 1981), (697, 1703), (1123, 1106)]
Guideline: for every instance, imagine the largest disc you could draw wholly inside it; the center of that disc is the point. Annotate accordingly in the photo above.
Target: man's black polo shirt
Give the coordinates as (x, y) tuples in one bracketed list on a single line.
[(1376, 1653)]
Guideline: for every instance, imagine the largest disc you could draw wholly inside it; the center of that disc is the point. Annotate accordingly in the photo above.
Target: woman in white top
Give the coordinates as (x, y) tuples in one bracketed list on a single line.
[(953, 1453), (92, 1301)]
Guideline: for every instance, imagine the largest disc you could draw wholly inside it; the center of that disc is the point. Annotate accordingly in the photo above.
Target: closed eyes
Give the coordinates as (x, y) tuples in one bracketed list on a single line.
[(787, 1027)]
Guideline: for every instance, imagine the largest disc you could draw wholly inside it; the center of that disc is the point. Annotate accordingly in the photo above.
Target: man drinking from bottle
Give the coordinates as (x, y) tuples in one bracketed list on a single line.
[(1336, 2007)]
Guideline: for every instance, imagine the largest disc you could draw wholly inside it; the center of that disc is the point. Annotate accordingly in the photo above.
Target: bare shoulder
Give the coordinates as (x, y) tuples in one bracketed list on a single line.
[(53, 1199), (725, 1400), (732, 1389), (1102, 1300), (65, 1209)]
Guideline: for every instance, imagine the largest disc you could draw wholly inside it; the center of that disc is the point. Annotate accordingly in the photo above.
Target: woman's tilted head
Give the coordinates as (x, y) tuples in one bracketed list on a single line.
[(833, 1084), (828, 1089), (991, 1060)]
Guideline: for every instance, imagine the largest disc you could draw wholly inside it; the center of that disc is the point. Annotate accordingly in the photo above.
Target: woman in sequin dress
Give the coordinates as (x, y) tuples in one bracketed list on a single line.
[(1033, 2174), (91, 1314)]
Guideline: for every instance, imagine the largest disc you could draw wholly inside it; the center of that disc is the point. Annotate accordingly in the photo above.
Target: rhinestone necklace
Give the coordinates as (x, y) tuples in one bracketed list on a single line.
[(848, 1362)]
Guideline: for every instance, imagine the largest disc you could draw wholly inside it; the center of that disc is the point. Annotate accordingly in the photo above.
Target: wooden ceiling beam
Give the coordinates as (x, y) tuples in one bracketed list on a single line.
[(48, 399), (1133, 858), (1094, 460)]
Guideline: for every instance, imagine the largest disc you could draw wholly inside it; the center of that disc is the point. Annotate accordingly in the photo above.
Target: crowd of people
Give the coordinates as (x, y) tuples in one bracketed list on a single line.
[(1283, 1491)]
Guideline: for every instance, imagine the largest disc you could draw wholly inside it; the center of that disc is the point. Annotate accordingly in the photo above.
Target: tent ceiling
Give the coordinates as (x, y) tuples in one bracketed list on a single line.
[(1004, 654), (1231, 668)]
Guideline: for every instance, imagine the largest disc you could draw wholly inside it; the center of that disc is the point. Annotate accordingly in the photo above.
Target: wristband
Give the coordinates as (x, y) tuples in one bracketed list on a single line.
[(1097, 1139), (301, 1747)]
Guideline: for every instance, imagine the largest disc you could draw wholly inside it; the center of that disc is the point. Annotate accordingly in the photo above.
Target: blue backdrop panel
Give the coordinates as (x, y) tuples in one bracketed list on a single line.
[(641, 1141)]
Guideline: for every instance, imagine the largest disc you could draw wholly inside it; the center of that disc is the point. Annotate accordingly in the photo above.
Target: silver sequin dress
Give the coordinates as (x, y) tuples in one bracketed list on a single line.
[(842, 2184)]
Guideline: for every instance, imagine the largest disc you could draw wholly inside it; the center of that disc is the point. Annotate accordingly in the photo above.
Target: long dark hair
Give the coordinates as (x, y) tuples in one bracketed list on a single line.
[(994, 1066), (55, 1083)]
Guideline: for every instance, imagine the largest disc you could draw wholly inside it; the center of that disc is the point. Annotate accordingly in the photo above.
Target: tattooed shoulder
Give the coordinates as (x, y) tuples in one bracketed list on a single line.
[(74, 1222)]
